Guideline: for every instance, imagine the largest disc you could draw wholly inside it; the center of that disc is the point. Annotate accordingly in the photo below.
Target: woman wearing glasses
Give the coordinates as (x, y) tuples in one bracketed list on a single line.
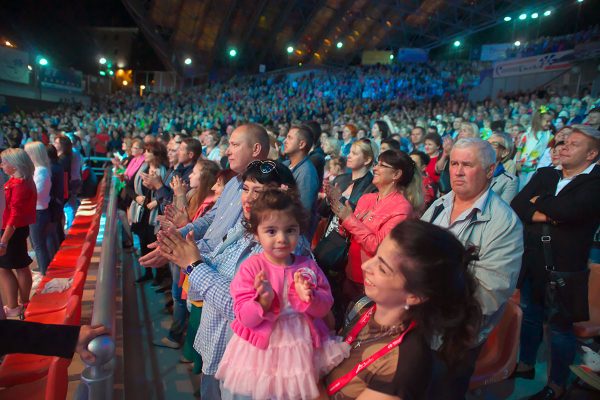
[(400, 192)]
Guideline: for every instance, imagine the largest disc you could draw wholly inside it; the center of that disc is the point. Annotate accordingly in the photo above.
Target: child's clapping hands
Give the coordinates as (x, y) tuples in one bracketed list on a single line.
[(304, 287), (264, 290)]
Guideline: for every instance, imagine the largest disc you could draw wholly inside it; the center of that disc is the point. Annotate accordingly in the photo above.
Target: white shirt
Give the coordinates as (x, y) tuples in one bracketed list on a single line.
[(43, 183), (565, 181)]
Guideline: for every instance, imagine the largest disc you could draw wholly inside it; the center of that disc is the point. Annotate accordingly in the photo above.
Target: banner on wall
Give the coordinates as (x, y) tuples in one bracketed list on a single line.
[(408, 54), (373, 57), (61, 78), (494, 52), (532, 65), (13, 65)]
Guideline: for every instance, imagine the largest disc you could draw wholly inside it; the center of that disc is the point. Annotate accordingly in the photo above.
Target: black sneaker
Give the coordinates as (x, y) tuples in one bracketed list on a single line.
[(547, 393)]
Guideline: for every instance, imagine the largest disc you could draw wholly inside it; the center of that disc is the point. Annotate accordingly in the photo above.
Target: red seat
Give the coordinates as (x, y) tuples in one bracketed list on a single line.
[(498, 357), (591, 328), (82, 264), (51, 302), (22, 368)]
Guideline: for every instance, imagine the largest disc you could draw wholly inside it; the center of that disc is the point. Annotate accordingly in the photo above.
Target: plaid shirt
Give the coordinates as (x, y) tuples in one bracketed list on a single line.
[(210, 282)]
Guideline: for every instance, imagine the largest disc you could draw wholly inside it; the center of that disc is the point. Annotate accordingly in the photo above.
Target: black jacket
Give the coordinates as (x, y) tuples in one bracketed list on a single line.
[(34, 338), (575, 213)]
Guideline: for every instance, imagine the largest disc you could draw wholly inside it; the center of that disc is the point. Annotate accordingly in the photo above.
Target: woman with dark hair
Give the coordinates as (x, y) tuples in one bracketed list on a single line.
[(144, 208), (400, 193), (421, 292), (433, 146), (57, 201), (380, 131)]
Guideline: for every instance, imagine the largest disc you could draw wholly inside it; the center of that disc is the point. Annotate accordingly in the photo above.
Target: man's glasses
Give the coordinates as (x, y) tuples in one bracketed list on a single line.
[(264, 166)]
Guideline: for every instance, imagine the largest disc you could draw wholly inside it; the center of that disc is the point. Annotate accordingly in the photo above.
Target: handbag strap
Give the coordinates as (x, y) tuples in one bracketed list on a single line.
[(547, 247)]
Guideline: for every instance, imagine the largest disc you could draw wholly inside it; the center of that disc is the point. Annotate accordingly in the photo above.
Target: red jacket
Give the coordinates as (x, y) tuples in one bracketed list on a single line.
[(369, 225), (21, 198)]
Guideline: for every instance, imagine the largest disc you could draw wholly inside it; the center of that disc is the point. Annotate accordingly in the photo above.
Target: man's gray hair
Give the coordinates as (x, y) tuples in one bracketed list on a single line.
[(507, 141), (485, 151)]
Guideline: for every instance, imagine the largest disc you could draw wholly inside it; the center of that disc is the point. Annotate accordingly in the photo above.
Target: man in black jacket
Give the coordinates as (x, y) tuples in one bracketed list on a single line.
[(559, 208)]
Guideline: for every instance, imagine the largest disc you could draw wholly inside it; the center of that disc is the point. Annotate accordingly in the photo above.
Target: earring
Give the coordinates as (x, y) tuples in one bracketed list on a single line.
[(406, 307)]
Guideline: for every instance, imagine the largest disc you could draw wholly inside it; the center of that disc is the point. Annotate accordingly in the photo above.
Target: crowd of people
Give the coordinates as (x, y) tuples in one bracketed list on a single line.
[(554, 44), (308, 225)]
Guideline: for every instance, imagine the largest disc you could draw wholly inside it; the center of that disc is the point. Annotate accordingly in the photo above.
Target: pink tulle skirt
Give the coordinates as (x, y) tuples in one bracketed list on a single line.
[(288, 369)]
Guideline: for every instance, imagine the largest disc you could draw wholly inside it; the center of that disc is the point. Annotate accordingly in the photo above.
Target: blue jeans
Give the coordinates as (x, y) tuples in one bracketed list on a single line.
[(180, 312), (209, 388), (39, 233), (562, 339)]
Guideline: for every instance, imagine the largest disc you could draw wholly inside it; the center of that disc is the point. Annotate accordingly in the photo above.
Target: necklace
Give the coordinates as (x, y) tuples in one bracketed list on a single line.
[(394, 330)]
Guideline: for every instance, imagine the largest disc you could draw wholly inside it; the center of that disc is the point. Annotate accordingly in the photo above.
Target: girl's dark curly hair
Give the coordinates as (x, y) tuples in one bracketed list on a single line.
[(438, 271), (277, 199)]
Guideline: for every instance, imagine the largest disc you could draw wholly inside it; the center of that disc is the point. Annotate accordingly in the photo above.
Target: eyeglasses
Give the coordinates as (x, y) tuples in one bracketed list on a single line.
[(265, 166), (380, 165)]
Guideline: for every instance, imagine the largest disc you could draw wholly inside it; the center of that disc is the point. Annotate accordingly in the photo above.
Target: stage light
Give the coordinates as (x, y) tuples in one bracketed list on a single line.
[(507, 19), (110, 72), (43, 61), (232, 53), (125, 83), (102, 60), (29, 67), (391, 56), (580, 1), (457, 43), (517, 43), (547, 13), (523, 17), (339, 45), (535, 15), (9, 44), (290, 49), (188, 61), (102, 73)]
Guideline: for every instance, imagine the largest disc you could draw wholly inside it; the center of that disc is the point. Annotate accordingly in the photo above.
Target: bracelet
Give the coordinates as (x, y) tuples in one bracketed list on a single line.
[(3, 245)]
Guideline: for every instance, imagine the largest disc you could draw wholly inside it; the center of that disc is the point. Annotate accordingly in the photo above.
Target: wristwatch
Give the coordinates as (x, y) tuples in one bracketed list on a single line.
[(188, 270)]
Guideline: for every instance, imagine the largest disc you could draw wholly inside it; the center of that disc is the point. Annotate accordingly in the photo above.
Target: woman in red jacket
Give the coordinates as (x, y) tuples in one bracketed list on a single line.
[(400, 193), (21, 198)]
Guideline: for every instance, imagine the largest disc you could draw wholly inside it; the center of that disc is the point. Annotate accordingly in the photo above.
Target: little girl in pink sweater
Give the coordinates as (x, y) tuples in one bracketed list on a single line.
[(280, 346)]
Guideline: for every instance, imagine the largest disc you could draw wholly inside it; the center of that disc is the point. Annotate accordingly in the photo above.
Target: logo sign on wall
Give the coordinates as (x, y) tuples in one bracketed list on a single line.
[(64, 79), (13, 65), (532, 65)]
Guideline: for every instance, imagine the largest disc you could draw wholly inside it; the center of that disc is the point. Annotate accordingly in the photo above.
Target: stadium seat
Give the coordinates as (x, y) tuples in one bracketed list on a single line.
[(591, 328), (498, 358), (17, 369), (51, 302)]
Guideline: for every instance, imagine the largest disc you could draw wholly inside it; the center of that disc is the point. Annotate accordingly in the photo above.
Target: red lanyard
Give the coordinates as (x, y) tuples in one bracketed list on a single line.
[(338, 384)]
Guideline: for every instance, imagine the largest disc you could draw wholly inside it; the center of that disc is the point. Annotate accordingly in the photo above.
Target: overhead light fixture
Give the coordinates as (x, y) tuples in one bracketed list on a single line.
[(457, 43), (547, 13), (517, 43), (507, 19), (535, 15), (43, 61), (339, 45), (187, 61), (29, 67), (102, 60), (391, 56), (523, 17), (125, 83), (232, 53), (290, 49)]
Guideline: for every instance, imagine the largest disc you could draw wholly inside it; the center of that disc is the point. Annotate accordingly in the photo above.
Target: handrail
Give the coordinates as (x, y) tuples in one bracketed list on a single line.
[(97, 377)]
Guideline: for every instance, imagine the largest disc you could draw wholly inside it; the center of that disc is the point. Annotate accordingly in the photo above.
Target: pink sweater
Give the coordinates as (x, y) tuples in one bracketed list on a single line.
[(252, 323)]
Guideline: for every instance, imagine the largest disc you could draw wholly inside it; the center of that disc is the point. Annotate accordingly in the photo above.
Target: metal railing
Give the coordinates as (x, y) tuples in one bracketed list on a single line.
[(97, 378)]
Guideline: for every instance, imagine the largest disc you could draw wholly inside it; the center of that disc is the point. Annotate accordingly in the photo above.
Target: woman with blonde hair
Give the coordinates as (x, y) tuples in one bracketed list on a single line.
[(21, 198), (40, 230)]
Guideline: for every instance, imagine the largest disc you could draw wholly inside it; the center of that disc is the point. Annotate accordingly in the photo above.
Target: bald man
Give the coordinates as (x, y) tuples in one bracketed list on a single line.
[(247, 143)]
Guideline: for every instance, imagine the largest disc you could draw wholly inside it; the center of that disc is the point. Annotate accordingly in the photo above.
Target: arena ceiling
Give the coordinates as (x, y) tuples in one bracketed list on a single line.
[(261, 30)]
